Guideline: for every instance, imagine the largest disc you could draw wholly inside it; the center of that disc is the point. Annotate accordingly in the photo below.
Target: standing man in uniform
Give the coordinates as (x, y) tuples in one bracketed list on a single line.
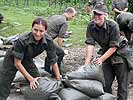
[(106, 33), (119, 6), (57, 27)]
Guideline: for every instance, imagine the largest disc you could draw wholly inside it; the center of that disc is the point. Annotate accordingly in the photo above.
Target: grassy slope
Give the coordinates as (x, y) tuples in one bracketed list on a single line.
[(17, 21)]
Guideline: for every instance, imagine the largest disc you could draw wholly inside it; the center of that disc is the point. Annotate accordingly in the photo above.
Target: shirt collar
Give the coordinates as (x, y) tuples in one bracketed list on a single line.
[(65, 17), (103, 27)]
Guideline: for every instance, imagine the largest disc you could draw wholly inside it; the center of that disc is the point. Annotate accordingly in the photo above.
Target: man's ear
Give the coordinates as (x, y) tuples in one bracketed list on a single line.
[(106, 15)]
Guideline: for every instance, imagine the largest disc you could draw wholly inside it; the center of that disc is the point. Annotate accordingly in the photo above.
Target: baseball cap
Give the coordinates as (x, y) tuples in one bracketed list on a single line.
[(100, 9)]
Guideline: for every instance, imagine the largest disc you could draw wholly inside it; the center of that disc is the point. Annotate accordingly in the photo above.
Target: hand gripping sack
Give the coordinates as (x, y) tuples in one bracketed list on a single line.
[(45, 88)]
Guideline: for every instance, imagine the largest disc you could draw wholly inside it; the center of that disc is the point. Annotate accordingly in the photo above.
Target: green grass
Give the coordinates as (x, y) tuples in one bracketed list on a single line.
[(19, 20), (16, 21)]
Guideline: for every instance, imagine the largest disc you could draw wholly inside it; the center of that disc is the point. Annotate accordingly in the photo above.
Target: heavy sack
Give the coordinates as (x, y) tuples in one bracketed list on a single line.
[(127, 53), (54, 96), (90, 71), (45, 88), (108, 96), (72, 94), (92, 88)]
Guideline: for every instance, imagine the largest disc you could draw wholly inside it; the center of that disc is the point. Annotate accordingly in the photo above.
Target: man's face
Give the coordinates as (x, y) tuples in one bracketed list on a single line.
[(98, 18), (71, 16), (38, 31)]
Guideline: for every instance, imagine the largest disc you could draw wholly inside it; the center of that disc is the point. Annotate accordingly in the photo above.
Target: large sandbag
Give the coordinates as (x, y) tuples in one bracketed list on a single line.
[(72, 94), (108, 96), (45, 89), (92, 88), (91, 71)]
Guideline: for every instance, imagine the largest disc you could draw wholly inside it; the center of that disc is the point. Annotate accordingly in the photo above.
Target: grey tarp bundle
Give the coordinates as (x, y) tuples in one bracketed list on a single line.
[(91, 71), (45, 88), (92, 88), (127, 53), (72, 94)]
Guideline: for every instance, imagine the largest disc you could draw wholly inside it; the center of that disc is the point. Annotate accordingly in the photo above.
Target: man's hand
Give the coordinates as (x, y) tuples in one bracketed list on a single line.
[(97, 60), (34, 83)]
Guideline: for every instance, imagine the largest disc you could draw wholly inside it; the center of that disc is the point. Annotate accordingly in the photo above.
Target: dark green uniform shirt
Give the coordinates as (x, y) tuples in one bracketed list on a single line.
[(57, 26), (106, 36), (123, 20), (25, 48)]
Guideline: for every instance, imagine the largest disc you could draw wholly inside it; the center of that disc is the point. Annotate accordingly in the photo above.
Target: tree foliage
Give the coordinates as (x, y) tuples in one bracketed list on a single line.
[(130, 5)]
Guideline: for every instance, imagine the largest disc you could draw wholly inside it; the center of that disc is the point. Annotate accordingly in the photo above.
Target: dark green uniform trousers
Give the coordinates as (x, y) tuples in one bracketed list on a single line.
[(8, 72), (120, 71), (60, 54)]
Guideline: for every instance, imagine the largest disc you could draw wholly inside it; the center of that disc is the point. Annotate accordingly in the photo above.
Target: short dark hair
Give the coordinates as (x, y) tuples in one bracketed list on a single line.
[(70, 10), (40, 21)]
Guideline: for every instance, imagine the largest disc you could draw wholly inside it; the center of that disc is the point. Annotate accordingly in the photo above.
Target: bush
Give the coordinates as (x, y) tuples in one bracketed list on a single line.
[(130, 5)]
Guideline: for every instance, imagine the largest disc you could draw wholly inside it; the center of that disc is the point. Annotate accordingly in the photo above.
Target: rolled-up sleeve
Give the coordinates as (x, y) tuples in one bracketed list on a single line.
[(63, 30), (115, 36), (51, 53), (18, 50), (89, 39)]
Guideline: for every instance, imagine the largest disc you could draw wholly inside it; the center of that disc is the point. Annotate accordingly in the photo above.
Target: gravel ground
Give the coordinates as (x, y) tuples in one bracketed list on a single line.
[(73, 60)]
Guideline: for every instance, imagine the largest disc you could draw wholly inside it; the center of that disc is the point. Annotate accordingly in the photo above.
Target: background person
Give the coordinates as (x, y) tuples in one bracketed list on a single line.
[(20, 57), (57, 27), (106, 33), (125, 21), (92, 3), (119, 6)]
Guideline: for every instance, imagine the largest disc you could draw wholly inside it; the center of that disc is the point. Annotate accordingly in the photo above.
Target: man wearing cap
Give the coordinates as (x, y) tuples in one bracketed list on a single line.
[(106, 33), (57, 26), (119, 6)]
